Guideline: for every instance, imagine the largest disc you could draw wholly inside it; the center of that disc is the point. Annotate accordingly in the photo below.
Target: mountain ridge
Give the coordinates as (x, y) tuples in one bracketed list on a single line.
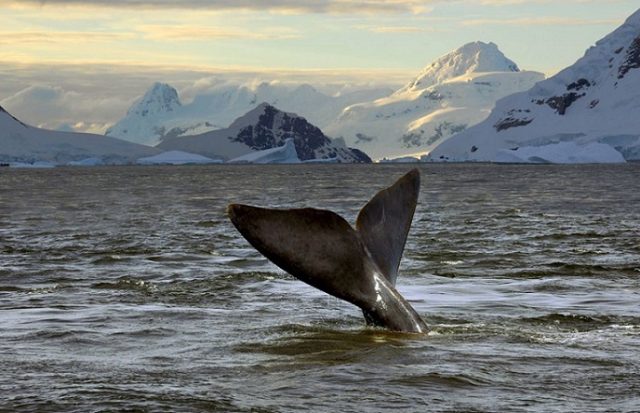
[(593, 102), (219, 107), (452, 93), (23, 143), (266, 127)]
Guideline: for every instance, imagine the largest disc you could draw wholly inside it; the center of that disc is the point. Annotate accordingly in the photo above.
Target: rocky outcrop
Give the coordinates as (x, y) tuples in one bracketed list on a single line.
[(274, 126), (632, 60), (266, 127)]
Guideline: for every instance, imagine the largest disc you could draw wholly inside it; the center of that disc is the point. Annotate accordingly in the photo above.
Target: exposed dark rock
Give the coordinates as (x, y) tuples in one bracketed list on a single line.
[(274, 127), (579, 84), (514, 111), (561, 103), (411, 139), (433, 95), (632, 60), (618, 50), (306, 137), (474, 148), (511, 122), (594, 103), (360, 156)]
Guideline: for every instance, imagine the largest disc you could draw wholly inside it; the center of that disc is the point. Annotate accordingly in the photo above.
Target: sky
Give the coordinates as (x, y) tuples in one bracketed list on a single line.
[(83, 62)]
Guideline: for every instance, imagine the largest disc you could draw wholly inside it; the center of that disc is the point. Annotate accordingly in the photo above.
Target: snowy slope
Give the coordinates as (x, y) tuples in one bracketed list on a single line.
[(23, 143), (453, 93), (265, 127), (593, 105), (159, 114)]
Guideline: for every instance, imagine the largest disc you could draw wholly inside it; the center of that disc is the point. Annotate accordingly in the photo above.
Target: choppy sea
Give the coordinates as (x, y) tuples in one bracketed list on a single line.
[(127, 289)]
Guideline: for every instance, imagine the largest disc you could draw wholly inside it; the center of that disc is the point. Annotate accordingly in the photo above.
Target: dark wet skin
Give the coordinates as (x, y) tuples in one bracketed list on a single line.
[(357, 265)]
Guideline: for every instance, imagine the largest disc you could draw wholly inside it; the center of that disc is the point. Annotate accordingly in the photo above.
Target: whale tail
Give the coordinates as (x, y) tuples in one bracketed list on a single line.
[(384, 223), (357, 265)]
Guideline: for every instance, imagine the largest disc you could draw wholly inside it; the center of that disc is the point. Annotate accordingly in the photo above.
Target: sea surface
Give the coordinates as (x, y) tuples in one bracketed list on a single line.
[(127, 289)]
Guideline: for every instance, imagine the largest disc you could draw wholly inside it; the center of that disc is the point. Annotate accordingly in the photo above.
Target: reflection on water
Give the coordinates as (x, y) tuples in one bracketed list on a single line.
[(128, 289)]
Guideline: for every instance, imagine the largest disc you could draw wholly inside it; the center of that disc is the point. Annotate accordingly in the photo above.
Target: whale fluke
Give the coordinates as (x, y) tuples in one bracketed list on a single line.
[(384, 223), (357, 265), (316, 246)]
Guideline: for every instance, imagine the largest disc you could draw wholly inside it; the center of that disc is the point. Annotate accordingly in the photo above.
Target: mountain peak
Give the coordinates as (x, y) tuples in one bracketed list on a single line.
[(471, 57), (160, 98), (483, 57), (585, 113), (13, 118)]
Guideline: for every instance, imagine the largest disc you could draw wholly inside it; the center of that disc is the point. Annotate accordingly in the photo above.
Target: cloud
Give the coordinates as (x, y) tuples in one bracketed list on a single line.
[(502, 3), (283, 6), (540, 21), (91, 97), (398, 29), (184, 32), (48, 37), (51, 106)]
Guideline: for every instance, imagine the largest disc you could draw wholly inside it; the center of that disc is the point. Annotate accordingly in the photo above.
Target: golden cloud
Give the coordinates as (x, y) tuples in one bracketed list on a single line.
[(184, 32), (48, 37)]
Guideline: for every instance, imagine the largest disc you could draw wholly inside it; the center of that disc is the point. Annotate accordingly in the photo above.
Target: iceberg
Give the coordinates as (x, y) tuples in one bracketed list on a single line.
[(322, 160), (176, 158), (34, 165), (94, 161), (563, 152), (402, 159), (282, 154)]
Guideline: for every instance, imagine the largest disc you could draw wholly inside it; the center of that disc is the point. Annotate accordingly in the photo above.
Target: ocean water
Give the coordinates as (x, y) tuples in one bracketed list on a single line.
[(127, 289)]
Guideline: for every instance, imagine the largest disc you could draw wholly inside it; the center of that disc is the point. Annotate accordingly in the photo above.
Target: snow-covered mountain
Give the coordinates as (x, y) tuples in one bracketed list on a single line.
[(454, 92), (157, 115), (589, 112), (20, 142), (265, 127), (160, 115)]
